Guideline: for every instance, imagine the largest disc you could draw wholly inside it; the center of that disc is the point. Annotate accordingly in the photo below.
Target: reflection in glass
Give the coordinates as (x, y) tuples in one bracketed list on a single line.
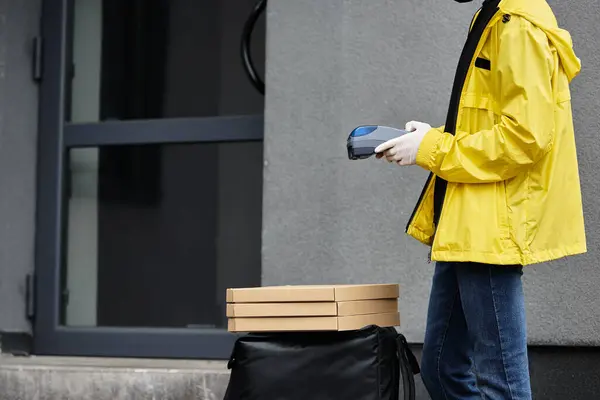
[(156, 233), (148, 59)]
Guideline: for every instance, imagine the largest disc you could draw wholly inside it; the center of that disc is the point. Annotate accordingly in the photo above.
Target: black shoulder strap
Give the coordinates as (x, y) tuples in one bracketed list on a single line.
[(408, 367), (481, 21)]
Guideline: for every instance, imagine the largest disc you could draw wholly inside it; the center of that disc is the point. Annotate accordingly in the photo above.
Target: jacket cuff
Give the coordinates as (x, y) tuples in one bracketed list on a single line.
[(427, 148)]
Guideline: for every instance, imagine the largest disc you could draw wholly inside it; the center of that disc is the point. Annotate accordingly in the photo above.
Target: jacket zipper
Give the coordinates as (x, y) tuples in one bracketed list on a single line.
[(475, 33)]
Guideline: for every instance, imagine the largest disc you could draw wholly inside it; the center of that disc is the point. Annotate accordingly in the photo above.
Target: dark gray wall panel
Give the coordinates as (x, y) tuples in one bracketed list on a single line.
[(19, 23)]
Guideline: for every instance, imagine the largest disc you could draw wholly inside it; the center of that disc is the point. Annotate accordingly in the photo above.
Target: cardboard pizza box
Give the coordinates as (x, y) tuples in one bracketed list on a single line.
[(314, 293), (312, 309), (313, 324)]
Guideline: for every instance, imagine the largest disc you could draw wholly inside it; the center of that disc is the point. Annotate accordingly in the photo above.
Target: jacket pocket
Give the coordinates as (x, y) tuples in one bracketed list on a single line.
[(477, 104), (502, 210), (476, 114), (479, 84)]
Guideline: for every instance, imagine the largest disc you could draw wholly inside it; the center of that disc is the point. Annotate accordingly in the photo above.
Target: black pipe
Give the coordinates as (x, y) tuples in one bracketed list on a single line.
[(249, 67)]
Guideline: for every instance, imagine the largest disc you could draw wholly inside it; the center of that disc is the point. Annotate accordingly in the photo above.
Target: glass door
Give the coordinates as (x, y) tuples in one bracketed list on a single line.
[(150, 176)]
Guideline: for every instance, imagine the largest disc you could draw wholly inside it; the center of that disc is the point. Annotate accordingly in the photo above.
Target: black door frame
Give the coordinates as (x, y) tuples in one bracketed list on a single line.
[(56, 137)]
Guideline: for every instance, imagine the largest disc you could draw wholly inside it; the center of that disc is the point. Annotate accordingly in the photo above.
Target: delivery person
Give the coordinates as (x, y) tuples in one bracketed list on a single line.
[(503, 194)]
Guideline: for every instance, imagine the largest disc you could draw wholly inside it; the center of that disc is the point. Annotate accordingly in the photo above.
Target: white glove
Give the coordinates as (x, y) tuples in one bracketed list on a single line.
[(403, 149)]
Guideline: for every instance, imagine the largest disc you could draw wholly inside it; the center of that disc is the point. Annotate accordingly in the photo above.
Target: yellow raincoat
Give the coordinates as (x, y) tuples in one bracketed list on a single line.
[(513, 193)]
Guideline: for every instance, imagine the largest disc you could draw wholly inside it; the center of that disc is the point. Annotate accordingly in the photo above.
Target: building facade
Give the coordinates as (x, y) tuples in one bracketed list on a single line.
[(142, 174)]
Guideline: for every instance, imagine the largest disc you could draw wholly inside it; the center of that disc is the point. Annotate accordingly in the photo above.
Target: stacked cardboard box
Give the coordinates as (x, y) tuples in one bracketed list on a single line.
[(312, 308)]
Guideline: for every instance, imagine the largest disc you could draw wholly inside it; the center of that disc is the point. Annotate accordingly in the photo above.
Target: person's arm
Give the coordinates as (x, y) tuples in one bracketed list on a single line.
[(525, 130)]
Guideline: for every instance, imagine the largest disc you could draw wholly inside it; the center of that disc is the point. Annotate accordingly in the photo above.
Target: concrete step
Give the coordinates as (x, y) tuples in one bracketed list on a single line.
[(54, 378)]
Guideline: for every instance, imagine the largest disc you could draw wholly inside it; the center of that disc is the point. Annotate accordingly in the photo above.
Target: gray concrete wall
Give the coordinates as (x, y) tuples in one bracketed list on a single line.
[(335, 64), (19, 23)]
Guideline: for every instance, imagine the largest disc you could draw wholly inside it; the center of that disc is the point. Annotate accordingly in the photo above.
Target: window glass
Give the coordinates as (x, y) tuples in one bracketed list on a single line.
[(146, 59), (156, 233)]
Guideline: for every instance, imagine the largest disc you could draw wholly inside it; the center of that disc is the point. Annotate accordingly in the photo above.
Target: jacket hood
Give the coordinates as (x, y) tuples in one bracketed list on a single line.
[(539, 13)]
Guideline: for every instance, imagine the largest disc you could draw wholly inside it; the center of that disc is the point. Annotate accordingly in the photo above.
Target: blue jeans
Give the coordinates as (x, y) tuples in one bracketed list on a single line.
[(476, 338)]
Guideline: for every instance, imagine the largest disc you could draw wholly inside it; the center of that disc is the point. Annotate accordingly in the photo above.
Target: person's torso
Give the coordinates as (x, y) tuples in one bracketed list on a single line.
[(533, 217)]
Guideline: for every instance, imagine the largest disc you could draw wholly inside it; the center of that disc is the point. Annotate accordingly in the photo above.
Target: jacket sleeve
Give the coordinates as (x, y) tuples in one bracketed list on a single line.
[(524, 132)]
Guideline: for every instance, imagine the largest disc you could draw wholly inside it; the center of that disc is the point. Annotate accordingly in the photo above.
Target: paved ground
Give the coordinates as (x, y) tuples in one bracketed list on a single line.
[(127, 363), (82, 378), (53, 378)]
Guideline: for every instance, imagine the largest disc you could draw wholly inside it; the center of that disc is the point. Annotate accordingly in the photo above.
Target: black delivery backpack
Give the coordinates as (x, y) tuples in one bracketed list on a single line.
[(364, 364)]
